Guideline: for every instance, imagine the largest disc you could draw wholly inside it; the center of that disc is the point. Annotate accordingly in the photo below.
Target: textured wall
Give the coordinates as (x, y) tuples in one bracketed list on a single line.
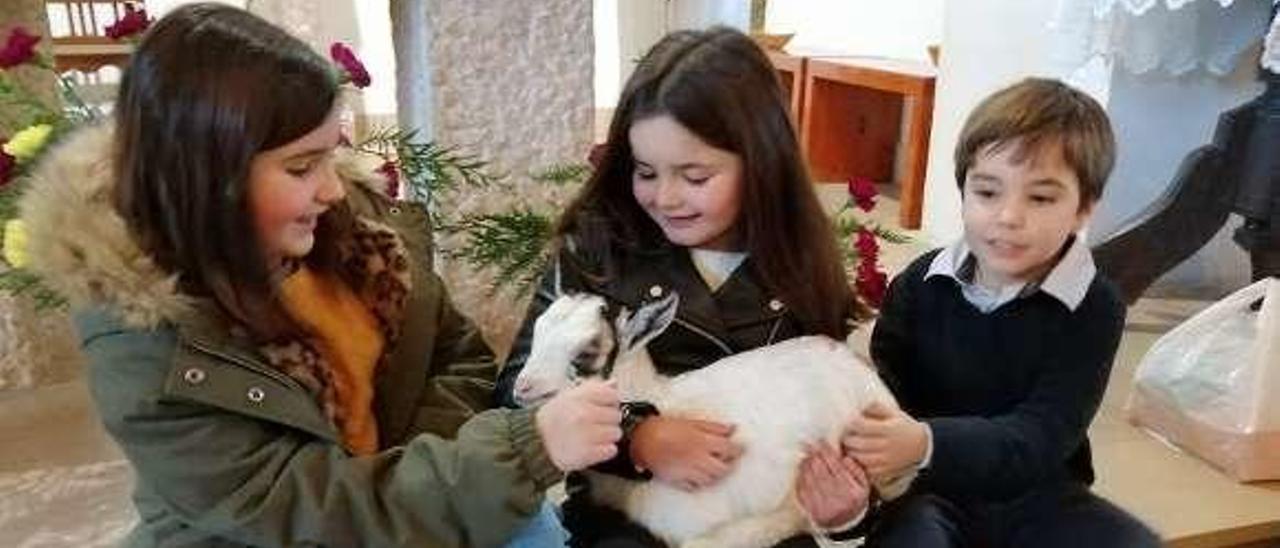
[(512, 82)]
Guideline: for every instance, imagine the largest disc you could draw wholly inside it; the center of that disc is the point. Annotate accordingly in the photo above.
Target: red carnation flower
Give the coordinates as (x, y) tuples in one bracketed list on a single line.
[(7, 166), (19, 48), (867, 245), (596, 155), (133, 22), (351, 65), (863, 192), (389, 170), (871, 283)]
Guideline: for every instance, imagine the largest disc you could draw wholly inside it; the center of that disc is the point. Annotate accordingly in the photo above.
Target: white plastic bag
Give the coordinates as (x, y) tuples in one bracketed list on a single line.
[(1212, 385)]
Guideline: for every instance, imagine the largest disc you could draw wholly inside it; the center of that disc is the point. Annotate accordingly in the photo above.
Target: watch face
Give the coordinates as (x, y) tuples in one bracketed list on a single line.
[(634, 412)]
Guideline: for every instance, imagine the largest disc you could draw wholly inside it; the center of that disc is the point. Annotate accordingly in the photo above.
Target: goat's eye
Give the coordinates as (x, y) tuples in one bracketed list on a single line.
[(583, 362)]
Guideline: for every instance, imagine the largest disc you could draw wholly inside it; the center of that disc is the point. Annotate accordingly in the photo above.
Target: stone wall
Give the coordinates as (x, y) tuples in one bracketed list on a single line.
[(512, 83)]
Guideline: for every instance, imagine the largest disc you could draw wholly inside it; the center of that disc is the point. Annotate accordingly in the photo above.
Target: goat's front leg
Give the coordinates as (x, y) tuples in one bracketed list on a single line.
[(755, 531)]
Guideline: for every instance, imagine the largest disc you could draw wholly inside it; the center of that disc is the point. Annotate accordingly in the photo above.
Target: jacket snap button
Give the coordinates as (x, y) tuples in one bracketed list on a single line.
[(775, 305), (193, 376), (655, 291), (256, 395)]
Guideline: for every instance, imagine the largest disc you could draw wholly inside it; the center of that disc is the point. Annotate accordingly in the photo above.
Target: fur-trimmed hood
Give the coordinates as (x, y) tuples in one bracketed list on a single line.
[(83, 249)]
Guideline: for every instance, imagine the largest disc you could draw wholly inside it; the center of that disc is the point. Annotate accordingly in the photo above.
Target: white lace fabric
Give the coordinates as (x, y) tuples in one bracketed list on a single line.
[(1172, 37), (1271, 47)]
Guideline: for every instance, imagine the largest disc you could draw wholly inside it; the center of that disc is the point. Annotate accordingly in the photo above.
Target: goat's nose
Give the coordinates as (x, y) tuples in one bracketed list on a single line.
[(523, 387)]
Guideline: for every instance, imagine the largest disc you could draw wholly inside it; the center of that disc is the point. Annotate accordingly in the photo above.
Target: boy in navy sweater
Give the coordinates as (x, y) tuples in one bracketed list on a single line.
[(999, 347)]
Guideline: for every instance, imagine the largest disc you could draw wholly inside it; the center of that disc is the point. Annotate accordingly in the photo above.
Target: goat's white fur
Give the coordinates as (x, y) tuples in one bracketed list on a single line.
[(779, 397)]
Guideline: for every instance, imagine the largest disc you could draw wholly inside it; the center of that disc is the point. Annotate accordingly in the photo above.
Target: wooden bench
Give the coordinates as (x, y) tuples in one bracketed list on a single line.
[(79, 34)]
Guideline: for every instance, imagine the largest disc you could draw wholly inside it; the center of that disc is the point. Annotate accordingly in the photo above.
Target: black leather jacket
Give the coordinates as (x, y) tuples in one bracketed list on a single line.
[(739, 316)]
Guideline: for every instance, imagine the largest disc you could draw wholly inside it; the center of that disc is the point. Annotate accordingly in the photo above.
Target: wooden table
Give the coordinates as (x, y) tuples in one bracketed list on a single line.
[(851, 122)]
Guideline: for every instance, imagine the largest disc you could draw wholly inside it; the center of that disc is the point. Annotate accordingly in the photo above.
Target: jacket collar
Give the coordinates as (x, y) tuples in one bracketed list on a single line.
[(81, 247), (1068, 281)]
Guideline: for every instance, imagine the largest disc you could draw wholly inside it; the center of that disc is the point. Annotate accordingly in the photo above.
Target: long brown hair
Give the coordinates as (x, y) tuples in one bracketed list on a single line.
[(719, 85), (209, 87)]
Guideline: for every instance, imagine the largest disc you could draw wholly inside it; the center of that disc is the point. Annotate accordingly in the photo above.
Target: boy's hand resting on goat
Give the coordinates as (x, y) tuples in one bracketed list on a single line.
[(832, 489), (579, 426), (886, 441), (687, 453)]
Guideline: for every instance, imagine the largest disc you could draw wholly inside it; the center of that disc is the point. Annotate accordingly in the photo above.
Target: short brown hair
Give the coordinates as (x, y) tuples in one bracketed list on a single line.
[(1040, 111)]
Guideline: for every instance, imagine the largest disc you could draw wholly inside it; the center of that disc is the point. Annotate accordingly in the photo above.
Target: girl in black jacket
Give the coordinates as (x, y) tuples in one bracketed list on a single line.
[(701, 190)]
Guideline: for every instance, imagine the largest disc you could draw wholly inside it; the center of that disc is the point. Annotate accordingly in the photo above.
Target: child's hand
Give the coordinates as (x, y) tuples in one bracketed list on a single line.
[(580, 426), (885, 440), (689, 454), (832, 489)]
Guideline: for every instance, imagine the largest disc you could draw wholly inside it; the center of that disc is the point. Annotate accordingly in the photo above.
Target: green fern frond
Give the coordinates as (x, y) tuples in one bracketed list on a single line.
[(563, 174), (512, 245), (428, 167)]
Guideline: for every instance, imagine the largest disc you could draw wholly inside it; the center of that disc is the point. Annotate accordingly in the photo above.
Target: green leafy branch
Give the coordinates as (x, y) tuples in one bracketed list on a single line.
[(428, 168), (512, 245)]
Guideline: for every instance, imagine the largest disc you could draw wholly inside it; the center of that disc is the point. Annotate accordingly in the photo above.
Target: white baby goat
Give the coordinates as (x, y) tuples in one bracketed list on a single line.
[(779, 397)]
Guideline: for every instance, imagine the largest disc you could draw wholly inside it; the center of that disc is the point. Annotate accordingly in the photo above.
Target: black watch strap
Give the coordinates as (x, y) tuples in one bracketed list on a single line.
[(633, 412)]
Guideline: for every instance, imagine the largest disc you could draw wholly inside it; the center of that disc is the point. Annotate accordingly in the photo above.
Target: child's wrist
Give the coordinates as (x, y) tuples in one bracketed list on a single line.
[(924, 444), (634, 417)]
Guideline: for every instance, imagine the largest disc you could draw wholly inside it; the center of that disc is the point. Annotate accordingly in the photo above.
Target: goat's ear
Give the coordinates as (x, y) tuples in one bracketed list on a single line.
[(636, 330)]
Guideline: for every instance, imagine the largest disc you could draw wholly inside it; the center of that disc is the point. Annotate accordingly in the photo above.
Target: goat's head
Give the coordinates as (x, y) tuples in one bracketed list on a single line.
[(573, 339)]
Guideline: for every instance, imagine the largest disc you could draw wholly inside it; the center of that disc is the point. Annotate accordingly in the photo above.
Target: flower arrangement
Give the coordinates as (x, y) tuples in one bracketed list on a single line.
[(42, 124), (133, 23), (861, 240)]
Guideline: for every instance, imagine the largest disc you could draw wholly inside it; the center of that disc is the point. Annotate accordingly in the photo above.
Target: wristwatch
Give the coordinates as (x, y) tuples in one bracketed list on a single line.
[(633, 413)]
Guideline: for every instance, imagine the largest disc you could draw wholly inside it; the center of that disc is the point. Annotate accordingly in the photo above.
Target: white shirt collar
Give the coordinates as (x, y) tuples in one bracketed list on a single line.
[(1068, 281)]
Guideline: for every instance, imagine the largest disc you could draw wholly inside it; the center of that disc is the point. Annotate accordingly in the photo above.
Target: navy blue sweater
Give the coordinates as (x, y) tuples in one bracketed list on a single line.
[(1009, 395)]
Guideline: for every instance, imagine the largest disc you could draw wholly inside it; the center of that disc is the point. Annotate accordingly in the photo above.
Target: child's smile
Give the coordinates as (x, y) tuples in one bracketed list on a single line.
[(692, 190), (1020, 207)]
